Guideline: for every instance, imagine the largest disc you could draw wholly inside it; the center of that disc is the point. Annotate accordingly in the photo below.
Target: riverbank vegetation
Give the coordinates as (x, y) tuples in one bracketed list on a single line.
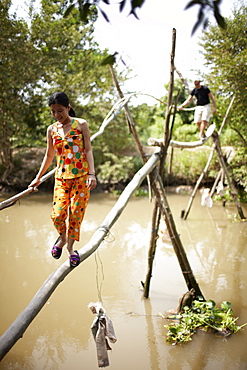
[(48, 52), (202, 316)]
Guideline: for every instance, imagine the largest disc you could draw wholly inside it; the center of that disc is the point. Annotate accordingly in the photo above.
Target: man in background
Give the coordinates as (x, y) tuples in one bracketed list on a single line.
[(203, 106)]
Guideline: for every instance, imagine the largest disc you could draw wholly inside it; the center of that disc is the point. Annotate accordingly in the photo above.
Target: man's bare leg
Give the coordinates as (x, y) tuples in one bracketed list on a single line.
[(203, 126)]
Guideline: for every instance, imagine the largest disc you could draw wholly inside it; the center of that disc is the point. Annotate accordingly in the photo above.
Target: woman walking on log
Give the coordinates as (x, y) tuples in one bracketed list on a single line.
[(74, 176)]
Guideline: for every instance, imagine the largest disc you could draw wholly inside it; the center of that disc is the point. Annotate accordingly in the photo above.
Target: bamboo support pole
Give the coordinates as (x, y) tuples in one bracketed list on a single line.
[(164, 148), (233, 190), (170, 161), (175, 238), (19, 326), (170, 91), (157, 185), (219, 175), (186, 213), (152, 247), (167, 128)]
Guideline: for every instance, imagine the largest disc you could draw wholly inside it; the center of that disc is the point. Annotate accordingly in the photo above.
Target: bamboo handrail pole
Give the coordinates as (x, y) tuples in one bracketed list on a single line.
[(19, 326), (129, 118), (177, 144), (130, 123), (184, 82), (111, 115), (183, 144), (11, 201), (226, 115)]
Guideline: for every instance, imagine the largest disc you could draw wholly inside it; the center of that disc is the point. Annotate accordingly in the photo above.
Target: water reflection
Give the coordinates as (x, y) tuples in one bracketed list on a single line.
[(154, 358), (60, 336)]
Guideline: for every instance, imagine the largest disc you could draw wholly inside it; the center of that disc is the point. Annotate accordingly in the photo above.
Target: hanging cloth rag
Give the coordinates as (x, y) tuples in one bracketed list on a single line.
[(220, 189), (102, 328), (206, 199)]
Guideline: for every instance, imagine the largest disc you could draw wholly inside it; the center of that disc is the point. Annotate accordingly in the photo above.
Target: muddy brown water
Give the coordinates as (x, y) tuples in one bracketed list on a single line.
[(60, 336)]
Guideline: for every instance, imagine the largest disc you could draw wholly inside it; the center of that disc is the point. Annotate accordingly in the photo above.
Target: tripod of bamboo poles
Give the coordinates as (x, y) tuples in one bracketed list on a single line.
[(161, 207), (217, 147)]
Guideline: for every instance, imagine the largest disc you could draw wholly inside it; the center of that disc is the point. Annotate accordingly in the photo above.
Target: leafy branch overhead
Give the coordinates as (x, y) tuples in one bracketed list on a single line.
[(87, 7), (205, 6)]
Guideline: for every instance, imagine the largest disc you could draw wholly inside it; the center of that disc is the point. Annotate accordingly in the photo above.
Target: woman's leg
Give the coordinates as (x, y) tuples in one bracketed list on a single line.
[(79, 198), (60, 209)]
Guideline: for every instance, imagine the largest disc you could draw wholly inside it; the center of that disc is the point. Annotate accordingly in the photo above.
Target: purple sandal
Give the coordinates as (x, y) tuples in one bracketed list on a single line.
[(74, 259), (56, 252)]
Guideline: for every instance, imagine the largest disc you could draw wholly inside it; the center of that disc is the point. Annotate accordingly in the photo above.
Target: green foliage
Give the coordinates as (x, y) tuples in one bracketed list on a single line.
[(228, 78), (87, 7), (189, 163), (205, 316), (227, 196), (183, 117), (239, 169), (141, 192), (115, 169), (145, 118), (202, 18), (115, 155), (185, 132), (47, 53)]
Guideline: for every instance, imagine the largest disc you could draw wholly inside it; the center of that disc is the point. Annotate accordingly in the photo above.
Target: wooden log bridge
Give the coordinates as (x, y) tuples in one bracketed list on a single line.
[(184, 144), (19, 326)]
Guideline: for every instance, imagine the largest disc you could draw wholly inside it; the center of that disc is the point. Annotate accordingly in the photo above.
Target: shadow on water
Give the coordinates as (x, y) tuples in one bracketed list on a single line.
[(60, 336)]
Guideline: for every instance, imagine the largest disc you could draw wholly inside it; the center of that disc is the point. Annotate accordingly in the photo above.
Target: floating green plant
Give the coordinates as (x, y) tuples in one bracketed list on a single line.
[(205, 316)]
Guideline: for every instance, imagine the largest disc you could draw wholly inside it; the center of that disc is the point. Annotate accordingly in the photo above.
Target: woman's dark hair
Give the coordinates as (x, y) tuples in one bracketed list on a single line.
[(61, 98)]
